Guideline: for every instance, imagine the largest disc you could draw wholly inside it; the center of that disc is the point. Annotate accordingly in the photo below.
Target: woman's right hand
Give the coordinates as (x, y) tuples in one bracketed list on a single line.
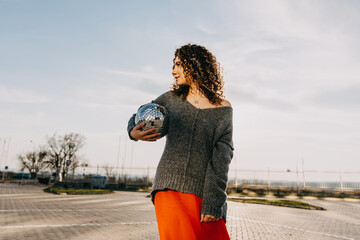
[(148, 135)]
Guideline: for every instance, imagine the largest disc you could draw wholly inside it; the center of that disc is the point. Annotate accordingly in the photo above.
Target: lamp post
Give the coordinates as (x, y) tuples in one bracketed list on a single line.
[(4, 156), (68, 162), (85, 165)]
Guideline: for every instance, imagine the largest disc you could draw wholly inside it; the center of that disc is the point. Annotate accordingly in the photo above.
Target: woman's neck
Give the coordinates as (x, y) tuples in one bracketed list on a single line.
[(195, 92)]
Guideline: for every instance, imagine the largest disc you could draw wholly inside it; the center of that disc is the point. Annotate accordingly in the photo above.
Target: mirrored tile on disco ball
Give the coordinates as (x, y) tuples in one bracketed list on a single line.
[(154, 115)]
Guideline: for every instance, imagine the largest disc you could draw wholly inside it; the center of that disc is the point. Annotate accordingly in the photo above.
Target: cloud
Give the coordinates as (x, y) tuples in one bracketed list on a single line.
[(296, 37), (265, 98), (13, 122), (121, 88), (146, 81), (343, 98), (278, 52), (204, 28), (112, 96), (20, 96), (147, 73)]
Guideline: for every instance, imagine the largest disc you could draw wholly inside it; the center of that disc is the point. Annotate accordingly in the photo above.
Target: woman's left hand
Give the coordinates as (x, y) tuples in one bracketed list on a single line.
[(208, 218)]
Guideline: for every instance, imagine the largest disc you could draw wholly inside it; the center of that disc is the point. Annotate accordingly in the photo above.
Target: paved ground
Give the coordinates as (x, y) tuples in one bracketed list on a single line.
[(28, 213)]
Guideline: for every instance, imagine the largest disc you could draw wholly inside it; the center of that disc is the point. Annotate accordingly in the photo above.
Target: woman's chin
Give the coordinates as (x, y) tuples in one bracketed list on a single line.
[(181, 83)]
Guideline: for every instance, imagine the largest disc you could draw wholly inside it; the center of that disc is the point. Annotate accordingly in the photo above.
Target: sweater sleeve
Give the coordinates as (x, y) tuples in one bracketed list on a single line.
[(131, 124), (214, 195)]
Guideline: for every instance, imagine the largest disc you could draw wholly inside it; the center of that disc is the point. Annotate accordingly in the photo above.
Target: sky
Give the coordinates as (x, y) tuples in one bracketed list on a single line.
[(291, 72)]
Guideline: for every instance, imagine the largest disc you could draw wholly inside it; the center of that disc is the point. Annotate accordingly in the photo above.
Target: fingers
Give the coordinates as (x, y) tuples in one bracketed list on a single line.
[(151, 137), (146, 132), (148, 135), (149, 131), (208, 218), (137, 127)]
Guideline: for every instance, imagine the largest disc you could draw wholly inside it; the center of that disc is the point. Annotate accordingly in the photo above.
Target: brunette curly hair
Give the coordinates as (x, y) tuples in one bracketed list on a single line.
[(200, 69)]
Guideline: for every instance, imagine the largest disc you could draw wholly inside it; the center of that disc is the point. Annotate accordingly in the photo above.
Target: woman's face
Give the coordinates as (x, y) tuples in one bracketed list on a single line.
[(178, 72)]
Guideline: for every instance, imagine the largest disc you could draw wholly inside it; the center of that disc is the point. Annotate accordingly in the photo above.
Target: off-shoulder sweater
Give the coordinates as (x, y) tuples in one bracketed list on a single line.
[(197, 153)]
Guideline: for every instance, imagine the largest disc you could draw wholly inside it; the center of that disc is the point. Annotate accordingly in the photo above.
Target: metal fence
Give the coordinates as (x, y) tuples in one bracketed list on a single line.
[(338, 180), (331, 180), (308, 179)]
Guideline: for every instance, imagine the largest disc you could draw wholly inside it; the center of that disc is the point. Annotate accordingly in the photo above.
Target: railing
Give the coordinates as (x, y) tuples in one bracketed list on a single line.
[(335, 180), (331, 180)]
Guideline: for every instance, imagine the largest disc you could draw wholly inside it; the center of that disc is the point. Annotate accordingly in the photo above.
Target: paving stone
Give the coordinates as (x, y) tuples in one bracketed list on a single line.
[(26, 212)]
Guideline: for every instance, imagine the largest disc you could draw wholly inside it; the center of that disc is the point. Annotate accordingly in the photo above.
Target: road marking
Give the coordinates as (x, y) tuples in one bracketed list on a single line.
[(94, 201), (293, 228), (77, 225), (128, 203), (60, 210), (15, 194)]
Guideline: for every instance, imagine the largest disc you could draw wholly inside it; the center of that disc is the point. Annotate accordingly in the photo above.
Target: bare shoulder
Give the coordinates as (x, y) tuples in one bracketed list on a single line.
[(226, 103)]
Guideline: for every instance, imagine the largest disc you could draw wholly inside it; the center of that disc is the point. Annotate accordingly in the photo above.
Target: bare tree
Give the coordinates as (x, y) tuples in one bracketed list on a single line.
[(34, 161), (63, 153), (109, 171)]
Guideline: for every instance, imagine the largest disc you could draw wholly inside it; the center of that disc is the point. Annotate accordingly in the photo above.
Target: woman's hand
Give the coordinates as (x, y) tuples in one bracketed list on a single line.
[(148, 135), (208, 218)]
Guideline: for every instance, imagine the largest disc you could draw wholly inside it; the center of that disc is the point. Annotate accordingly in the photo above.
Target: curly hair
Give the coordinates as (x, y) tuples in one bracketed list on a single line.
[(202, 70)]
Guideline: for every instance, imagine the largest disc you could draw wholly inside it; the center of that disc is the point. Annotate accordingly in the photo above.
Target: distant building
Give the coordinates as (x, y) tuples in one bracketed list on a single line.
[(98, 182)]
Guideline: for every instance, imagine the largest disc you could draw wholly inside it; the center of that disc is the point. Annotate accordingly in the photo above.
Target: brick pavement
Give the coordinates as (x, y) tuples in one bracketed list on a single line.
[(28, 213)]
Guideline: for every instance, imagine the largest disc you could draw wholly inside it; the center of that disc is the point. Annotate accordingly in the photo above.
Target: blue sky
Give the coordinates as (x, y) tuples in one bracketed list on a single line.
[(291, 71)]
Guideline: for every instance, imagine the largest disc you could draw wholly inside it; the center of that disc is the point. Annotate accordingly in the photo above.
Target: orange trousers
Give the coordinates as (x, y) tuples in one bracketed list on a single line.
[(178, 218)]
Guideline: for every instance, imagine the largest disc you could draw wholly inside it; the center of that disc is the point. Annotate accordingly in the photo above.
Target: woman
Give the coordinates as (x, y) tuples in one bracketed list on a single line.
[(191, 177)]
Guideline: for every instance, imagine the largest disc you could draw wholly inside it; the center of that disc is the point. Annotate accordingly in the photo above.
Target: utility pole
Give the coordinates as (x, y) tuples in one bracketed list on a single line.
[(7, 154), (123, 163), (2, 151), (131, 160), (269, 184), (148, 177), (236, 184), (297, 180), (1, 158), (341, 182), (303, 172), (118, 159), (73, 173)]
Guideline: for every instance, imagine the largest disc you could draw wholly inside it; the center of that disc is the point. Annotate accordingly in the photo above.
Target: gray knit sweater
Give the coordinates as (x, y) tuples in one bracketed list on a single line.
[(197, 154)]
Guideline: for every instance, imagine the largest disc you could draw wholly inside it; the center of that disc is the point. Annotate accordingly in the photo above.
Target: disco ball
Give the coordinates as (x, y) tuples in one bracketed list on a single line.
[(154, 115)]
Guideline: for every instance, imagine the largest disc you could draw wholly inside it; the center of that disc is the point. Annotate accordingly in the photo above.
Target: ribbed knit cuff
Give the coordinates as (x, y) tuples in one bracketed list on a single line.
[(212, 210), (132, 137), (131, 125)]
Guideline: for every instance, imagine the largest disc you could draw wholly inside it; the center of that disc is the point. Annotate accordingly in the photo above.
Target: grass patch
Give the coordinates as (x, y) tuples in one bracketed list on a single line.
[(72, 191), (281, 203)]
